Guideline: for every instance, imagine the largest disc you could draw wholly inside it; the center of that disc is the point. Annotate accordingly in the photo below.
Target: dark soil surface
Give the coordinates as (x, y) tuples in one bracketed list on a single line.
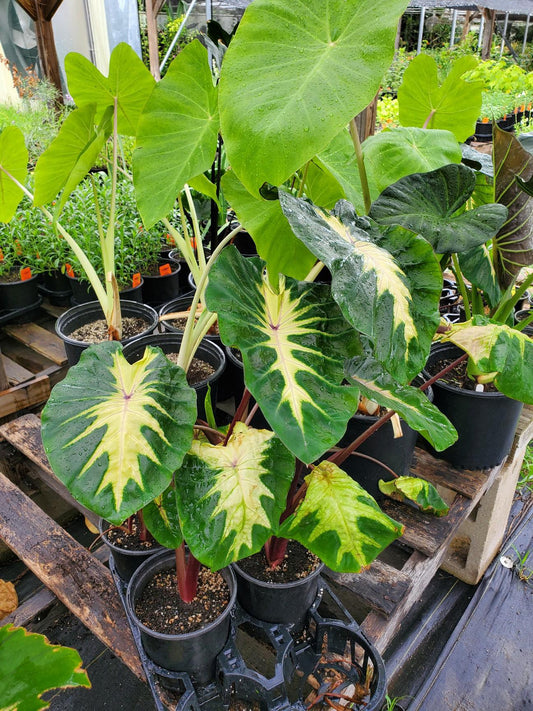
[(458, 376), (96, 332), (161, 609), (298, 563), (11, 277), (119, 536), (152, 270), (198, 371), (181, 322)]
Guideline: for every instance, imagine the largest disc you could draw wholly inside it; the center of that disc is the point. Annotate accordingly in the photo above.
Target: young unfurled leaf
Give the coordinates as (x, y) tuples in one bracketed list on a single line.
[(115, 433), (409, 402), (30, 665), (421, 492), (162, 520), (13, 161), (427, 204), (293, 342), (387, 283), (339, 521), (230, 498)]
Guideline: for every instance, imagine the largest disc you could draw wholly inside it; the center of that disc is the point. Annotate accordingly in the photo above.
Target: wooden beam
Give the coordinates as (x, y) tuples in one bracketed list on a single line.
[(4, 382), (46, 46), (488, 31), (29, 7), (51, 7), (152, 8)]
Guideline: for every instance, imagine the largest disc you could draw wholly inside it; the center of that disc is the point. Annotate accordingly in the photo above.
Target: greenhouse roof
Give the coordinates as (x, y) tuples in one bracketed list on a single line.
[(517, 7)]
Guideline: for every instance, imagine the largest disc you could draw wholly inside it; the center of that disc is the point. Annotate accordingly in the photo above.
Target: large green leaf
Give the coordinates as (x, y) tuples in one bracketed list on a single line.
[(339, 522), (409, 402), (162, 519), (387, 284), (498, 351), (293, 344), (421, 492), (293, 77), (427, 204), (476, 266), (513, 247), (339, 160), (264, 219), (230, 498), (453, 106), (13, 162), (127, 88), (321, 187), (69, 157), (30, 665), (114, 433), (178, 133)]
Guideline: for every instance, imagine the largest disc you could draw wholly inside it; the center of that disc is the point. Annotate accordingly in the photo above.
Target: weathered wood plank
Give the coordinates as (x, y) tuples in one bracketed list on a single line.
[(39, 339), (464, 481), (24, 434), (381, 586), (26, 394), (80, 581), (15, 372), (25, 356)]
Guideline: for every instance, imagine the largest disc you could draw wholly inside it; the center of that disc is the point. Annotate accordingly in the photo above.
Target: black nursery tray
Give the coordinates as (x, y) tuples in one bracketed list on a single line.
[(7, 315), (267, 667)]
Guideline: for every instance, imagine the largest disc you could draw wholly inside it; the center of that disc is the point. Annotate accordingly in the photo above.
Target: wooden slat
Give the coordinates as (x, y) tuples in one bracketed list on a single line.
[(24, 434), (437, 471), (24, 395), (381, 587), (25, 356), (16, 373), (80, 581), (39, 339)]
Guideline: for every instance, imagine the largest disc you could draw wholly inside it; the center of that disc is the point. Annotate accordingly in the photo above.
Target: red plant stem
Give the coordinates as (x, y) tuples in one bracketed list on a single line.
[(275, 550), (143, 531), (239, 413), (129, 523), (250, 417), (187, 569), (339, 457)]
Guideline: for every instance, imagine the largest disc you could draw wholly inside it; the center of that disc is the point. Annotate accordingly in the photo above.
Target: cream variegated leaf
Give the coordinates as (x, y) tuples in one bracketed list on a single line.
[(230, 497), (386, 282), (114, 432), (339, 521), (294, 342)]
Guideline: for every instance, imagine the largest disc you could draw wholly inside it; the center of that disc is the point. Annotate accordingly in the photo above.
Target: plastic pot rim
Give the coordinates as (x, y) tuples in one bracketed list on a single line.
[(279, 586), (124, 551)]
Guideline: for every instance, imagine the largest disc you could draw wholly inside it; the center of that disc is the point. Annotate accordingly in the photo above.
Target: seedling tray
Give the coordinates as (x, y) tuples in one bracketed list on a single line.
[(331, 656)]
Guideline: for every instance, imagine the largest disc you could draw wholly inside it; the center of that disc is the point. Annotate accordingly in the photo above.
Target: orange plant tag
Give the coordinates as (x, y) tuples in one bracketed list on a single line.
[(1, 256), (69, 270), (165, 269), (25, 274), (136, 279), (484, 120), (193, 243)]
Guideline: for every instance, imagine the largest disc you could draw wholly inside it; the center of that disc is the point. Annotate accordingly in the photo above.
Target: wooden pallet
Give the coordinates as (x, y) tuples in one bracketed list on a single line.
[(386, 591), (32, 361)]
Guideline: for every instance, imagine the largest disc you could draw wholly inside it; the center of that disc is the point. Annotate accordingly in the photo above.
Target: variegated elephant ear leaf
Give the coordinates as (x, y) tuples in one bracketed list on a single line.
[(162, 519), (339, 522), (115, 433), (230, 498), (420, 492), (387, 284), (294, 343), (409, 402)]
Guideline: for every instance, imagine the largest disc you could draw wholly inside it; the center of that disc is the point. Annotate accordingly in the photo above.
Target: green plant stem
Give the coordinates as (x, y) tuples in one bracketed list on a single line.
[(185, 249), (188, 348), (196, 229), (304, 178), (360, 165), (315, 271), (503, 312), (477, 301), (462, 286), (524, 322)]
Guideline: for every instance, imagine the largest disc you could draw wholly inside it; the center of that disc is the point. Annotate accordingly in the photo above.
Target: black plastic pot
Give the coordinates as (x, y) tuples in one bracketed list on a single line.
[(82, 314), (194, 653), (396, 453), (483, 131), (83, 293), (485, 421), (285, 603), (21, 294), (160, 288), (170, 343), (126, 562), (520, 316), (55, 286), (182, 303)]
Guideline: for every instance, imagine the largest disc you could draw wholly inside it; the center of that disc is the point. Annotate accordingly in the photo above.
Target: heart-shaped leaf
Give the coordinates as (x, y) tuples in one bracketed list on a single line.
[(31, 665), (420, 492), (293, 77), (453, 106), (13, 162), (115, 433), (264, 219), (177, 135), (387, 284), (293, 342), (230, 498), (339, 522), (410, 403), (426, 204), (126, 89)]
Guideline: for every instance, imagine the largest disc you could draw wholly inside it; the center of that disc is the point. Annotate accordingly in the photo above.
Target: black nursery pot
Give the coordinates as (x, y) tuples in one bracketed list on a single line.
[(195, 652), (483, 131), (161, 288), (182, 303), (21, 294), (82, 314), (55, 286), (126, 561), (284, 603), (485, 421), (170, 343), (83, 293)]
